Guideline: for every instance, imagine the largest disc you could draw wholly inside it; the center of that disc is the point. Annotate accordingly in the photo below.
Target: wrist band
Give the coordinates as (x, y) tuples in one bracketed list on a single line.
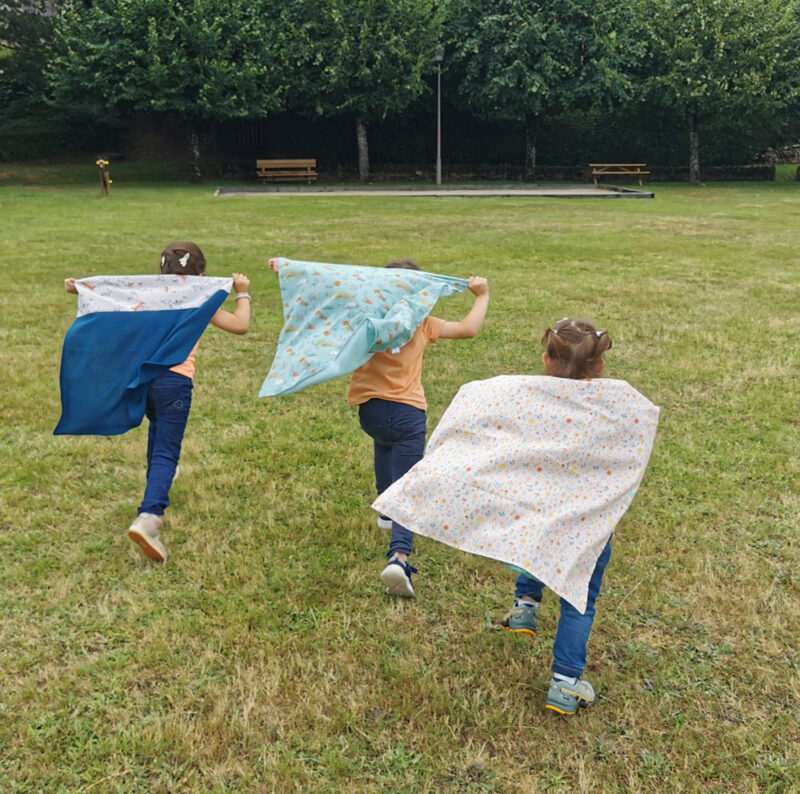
[(243, 295)]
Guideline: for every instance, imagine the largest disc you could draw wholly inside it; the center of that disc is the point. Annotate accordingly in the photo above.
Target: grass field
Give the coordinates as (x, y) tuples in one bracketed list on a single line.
[(264, 656)]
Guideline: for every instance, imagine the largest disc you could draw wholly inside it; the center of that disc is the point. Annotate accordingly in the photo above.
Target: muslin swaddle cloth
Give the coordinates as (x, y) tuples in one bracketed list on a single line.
[(534, 471), (337, 316)]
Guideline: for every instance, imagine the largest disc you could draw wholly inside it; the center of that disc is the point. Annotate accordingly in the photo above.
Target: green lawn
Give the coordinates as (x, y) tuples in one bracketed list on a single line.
[(264, 656)]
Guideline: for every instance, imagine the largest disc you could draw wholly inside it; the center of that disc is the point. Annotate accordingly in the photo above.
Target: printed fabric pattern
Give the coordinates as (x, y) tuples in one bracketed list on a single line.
[(533, 471), (146, 293), (337, 316)]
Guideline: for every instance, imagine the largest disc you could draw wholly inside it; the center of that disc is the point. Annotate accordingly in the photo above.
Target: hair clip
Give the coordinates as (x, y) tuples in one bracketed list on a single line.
[(600, 333), (554, 331), (184, 259), (163, 260)]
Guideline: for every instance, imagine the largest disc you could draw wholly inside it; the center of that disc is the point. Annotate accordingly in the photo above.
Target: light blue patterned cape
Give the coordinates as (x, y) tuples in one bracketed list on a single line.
[(337, 316)]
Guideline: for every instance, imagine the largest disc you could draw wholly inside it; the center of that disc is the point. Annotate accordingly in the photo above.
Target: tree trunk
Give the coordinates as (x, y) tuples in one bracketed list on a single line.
[(195, 174), (530, 149), (694, 150), (363, 150)]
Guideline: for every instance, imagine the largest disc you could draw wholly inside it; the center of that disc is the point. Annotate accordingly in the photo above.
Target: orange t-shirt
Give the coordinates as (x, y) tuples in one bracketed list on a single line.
[(396, 376), (187, 367)]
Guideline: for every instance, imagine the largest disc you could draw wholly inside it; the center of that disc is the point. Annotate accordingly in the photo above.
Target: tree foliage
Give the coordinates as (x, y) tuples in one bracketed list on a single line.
[(195, 60), (29, 124), (521, 60), (25, 32), (722, 57), (364, 58), (199, 61)]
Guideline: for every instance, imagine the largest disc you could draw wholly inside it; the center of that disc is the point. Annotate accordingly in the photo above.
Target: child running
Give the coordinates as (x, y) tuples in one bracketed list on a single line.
[(169, 398), (391, 407), (573, 349), (391, 410)]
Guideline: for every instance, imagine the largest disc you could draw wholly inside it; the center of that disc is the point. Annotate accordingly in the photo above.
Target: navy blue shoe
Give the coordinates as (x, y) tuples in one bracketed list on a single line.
[(397, 578)]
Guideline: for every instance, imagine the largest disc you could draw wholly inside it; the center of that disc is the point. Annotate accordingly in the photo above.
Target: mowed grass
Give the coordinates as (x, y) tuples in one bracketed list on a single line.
[(264, 655)]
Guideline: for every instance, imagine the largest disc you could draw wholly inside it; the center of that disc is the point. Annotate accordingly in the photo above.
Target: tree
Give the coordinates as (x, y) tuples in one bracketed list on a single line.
[(722, 57), (364, 58), (193, 60), (30, 123), (25, 28), (519, 60), (25, 32)]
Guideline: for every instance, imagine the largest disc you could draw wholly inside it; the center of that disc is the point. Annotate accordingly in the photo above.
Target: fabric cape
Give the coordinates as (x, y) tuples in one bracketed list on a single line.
[(533, 471), (337, 316), (129, 329)]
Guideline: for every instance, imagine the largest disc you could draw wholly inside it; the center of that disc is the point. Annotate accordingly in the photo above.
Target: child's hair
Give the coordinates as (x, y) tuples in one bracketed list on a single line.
[(183, 259), (575, 348), (406, 264)]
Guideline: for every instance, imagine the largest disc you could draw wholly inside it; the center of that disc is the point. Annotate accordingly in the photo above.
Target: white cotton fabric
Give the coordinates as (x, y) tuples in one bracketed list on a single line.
[(533, 471), (146, 293)]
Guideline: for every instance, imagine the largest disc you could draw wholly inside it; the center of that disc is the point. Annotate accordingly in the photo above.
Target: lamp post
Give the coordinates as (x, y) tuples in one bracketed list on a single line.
[(439, 57)]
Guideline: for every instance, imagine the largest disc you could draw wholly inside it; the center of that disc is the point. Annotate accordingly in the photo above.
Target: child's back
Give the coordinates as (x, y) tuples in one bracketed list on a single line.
[(169, 396), (391, 410), (536, 471)]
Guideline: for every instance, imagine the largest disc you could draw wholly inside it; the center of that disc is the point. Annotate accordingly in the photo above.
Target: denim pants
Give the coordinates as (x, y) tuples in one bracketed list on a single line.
[(398, 432), (572, 634), (169, 399)]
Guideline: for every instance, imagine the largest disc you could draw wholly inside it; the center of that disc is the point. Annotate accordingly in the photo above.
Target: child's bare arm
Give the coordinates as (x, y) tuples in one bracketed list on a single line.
[(273, 265), (471, 323), (238, 321), (69, 286)]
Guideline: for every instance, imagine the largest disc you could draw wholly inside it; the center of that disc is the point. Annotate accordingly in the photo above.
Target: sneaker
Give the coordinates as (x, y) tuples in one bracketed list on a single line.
[(397, 577), (384, 522), (521, 619), (566, 698), (144, 532)]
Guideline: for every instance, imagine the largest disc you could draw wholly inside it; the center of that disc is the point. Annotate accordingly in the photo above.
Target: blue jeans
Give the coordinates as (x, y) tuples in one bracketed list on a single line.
[(169, 399), (398, 432), (572, 634)]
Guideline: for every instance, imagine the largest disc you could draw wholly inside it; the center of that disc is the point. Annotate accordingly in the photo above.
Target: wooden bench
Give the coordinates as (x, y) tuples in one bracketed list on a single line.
[(617, 169), (286, 170)]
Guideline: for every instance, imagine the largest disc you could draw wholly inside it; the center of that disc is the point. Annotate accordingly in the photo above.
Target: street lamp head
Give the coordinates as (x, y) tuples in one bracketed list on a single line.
[(439, 57)]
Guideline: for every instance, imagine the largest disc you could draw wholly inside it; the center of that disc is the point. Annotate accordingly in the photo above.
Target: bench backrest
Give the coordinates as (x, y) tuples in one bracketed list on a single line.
[(286, 163)]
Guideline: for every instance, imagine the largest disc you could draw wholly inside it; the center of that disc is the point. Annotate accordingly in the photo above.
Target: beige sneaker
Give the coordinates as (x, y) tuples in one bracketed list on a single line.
[(144, 532)]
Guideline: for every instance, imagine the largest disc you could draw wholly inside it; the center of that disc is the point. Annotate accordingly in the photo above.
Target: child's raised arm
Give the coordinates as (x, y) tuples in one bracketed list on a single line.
[(471, 323), (239, 321), (69, 286)]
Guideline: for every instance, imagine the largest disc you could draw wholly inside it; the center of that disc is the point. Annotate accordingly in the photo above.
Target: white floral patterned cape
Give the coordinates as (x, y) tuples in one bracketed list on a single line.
[(533, 471)]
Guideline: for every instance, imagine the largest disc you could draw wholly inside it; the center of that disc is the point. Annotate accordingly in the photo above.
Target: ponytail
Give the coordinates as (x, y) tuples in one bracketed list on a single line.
[(575, 348)]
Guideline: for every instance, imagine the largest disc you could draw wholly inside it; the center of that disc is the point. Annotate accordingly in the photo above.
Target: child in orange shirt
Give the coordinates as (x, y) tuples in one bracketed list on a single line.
[(391, 409)]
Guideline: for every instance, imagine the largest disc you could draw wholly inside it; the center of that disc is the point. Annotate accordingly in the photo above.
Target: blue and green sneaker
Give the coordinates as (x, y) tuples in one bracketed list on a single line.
[(566, 698), (521, 618)]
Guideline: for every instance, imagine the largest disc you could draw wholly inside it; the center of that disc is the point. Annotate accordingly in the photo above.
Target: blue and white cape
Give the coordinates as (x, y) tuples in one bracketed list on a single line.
[(129, 330)]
